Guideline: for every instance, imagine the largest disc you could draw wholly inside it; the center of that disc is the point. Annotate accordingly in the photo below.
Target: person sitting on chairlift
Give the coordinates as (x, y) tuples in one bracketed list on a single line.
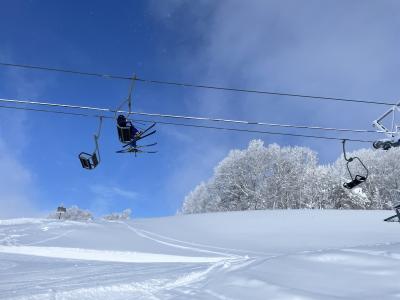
[(122, 122)]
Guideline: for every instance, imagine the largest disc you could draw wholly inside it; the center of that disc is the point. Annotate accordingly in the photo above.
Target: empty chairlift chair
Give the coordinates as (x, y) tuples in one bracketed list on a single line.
[(91, 161), (357, 179)]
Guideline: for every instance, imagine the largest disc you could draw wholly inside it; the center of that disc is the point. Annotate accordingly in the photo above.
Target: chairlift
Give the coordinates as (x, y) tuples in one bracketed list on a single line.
[(91, 161), (128, 134), (357, 179)]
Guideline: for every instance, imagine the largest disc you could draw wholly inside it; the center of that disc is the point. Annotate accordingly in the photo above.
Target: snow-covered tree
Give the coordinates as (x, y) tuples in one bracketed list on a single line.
[(275, 177), (200, 200), (258, 177), (73, 213), (124, 215)]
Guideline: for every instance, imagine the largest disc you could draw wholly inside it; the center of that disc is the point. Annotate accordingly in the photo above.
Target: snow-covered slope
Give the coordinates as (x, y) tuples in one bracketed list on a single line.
[(240, 255)]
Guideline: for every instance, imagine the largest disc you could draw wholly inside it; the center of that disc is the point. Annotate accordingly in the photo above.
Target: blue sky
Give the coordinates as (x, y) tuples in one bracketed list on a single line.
[(340, 48)]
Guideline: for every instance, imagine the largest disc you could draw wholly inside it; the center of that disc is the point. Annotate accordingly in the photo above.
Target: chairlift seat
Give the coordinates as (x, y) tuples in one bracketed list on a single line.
[(356, 181), (124, 134), (88, 161)]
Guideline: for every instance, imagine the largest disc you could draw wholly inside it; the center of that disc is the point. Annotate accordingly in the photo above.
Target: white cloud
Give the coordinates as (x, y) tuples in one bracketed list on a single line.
[(18, 193), (105, 197), (112, 192), (341, 48), (16, 186)]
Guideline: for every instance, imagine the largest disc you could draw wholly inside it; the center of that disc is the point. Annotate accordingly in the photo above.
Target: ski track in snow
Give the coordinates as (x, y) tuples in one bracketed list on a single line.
[(143, 234), (247, 252), (147, 289), (50, 239), (241, 262), (104, 255)]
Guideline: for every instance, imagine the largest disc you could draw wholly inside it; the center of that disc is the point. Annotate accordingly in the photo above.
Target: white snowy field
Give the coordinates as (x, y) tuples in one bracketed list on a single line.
[(287, 254)]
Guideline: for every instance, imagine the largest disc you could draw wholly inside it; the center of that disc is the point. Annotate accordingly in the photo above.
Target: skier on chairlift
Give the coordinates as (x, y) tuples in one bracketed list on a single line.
[(134, 132)]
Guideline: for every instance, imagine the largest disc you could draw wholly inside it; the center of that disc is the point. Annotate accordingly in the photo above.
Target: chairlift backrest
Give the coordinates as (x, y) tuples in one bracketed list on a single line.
[(124, 134)]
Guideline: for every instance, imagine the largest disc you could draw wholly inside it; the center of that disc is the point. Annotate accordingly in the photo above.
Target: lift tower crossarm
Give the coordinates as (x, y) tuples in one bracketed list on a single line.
[(378, 125)]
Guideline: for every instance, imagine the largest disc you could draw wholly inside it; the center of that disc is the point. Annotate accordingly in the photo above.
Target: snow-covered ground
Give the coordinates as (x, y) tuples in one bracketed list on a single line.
[(240, 255)]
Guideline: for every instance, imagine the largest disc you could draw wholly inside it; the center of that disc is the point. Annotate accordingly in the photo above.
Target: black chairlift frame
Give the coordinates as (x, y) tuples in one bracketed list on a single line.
[(357, 179), (91, 161), (124, 134)]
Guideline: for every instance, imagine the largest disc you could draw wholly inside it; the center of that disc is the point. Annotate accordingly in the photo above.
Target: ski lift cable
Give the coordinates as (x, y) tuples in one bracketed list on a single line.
[(192, 85), (91, 108), (187, 125)]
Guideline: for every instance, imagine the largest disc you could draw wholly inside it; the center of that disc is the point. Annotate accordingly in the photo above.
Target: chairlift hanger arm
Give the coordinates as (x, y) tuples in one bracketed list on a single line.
[(97, 137), (97, 149), (100, 125), (128, 99), (130, 93), (344, 152)]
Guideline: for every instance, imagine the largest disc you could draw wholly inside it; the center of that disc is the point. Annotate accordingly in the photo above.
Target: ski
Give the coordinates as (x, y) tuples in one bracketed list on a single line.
[(143, 151), (148, 145), (134, 150), (139, 138), (146, 135), (147, 129)]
